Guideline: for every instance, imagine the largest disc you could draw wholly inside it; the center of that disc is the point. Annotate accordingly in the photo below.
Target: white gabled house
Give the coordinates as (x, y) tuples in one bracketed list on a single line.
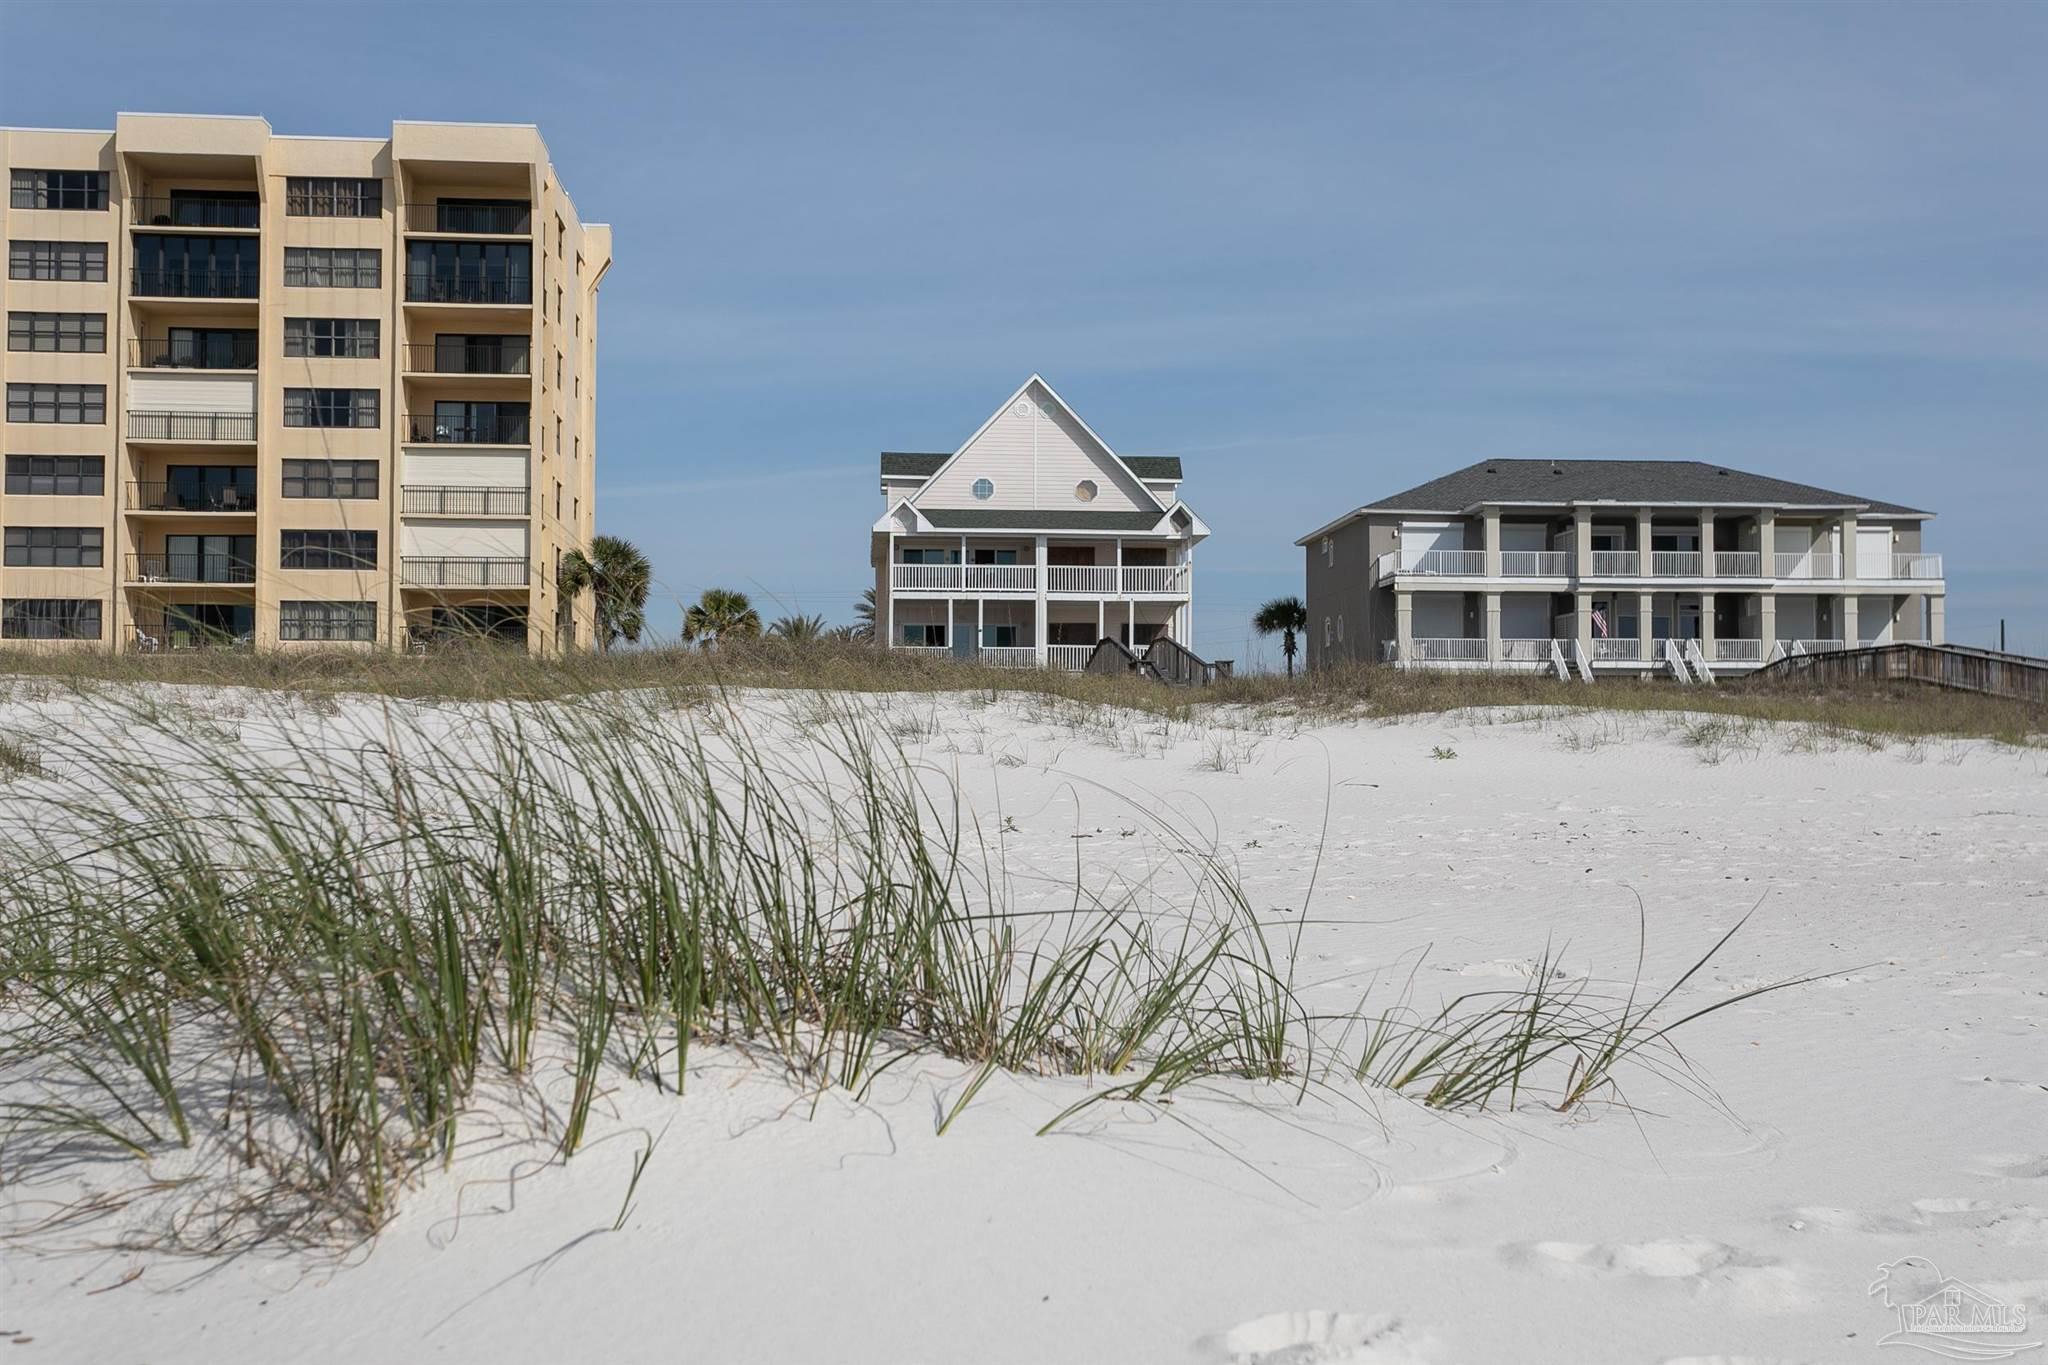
[(1032, 541)]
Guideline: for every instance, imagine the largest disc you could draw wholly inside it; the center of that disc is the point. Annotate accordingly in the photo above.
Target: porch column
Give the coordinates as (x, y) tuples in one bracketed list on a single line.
[(1493, 608), (1706, 550), (1493, 549), (1404, 626), (1767, 619), (1767, 544), (1131, 615), (1187, 607), (1646, 617), (1582, 611), (1848, 617), (1101, 621), (980, 623), (1643, 554), (952, 645), (1044, 581), (1936, 631), (1582, 542), (1849, 553), (1707, 626), (889, 580)]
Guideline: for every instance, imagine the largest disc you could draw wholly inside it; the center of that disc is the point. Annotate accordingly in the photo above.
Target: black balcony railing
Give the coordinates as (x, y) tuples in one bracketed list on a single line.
[(467, 289), (195, 284), (216, 352), (190, 567), (493, 220), (463, 573), (154, 632), (431, 501), (511, 356), (191, 426), (194, 210), (470, 431), (185, 497)]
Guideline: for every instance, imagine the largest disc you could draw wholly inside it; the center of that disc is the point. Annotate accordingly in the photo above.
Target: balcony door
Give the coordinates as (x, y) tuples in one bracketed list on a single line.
[(210, 488), (211, 559)]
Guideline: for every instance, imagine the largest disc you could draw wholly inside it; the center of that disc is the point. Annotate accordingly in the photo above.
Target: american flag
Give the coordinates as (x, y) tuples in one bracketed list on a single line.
[(1600, 623)]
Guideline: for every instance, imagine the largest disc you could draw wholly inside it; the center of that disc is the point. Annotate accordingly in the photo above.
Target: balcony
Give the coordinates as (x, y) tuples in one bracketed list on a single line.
[(1459, 650), (1453, 563), (1003, 578), (470, 219), (1614, 649), (1738, 564), (1085, 580), (497, 572), (192, 426), (1106, 580), (194, 284), (1916, 566), (186, 497), (1072, 658), (1616, 563), (467, 289), (1155, 579), (221, 351), (192, 567), (195, 211), (423, 500), (1535, 564), (1804, 565), (1738, 651), (513, 356), (1675, 563), (473, 430)]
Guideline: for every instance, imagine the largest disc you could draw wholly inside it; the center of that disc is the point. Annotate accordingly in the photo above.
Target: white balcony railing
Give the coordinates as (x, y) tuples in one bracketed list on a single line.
[(1002, 578), (966, 578), (1070, 657), (928, 578), (1738, 651), (1812, 646), (1615, 649), (1674, 563), (1093, 580), (1535, 564), (1384, 566), (1459, 562), (1808, 564), (1738, 564), (1525, 651), (1009, 656), (1916, 566), (1169, 578), (1451, 650), (1616, 563)]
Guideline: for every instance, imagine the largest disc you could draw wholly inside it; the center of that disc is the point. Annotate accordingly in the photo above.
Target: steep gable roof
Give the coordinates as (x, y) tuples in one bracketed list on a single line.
[(1142, 494), (898, 464)]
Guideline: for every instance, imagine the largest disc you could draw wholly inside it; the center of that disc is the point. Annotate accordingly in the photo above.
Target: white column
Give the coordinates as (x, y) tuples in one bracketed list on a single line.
[(1582, 542), (1767, 618), (1493, 611), (1493, 546), (1404, 626), (1767, 548), (1646, 616), (1707, 625), (980, 623), (1706, 549), (1582, 604), (889, 593), (1848, 619), (1044, 581), (1849, 555), (1936, 629), (1131, 615), (1101, 618), (1643, 533), (1187, 610)]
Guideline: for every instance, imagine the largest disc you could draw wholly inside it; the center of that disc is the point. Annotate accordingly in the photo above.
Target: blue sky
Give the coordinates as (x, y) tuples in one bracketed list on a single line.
[(1322, 253)]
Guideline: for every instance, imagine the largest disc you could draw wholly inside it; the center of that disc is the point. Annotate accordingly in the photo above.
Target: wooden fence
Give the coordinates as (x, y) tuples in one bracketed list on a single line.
[(1961, 667)]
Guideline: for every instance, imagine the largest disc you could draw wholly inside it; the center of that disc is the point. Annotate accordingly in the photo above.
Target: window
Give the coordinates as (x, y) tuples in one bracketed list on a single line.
[(206, 348), (352, 337), (327, 621), (468, 423), (54, 547), (320, 267), (67, 404), (928, 637), (999, 637), (561, 236), (915, 555), (170, 265), (558, 311), (329, 549), (990, 556), (482, 215), (984, 490), (330, 479), (1326, 632), (1085, 490), (203, 488), (558, 499), (558, 369), (57, 261), (205, 559), (50, 618), (469, 272), (56, 476), (332, 197), (57, 332), (1329, 552), (58, 190), (330, 407)]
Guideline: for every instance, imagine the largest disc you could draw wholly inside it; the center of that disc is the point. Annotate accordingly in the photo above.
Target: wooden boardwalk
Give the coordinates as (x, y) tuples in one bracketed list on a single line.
[(1961, 667)]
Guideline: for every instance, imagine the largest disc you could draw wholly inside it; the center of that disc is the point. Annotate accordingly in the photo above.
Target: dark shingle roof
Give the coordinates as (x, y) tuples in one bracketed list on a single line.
[(1637, 481), (971, 518), (1154, 466), (905, 465)]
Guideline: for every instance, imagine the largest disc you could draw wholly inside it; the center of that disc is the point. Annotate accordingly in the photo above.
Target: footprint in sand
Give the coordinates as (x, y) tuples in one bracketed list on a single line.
[(1693, 1262), (2015, 1166), (1818, 1219), (1316, 1336)]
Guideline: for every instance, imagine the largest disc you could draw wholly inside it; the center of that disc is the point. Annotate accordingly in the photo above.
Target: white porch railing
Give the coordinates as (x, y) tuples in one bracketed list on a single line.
[(1738, 651), (1009, 656), (1614, 649), (1738, 564), (1916, 566), (1169, 578), (1525, 651), (928, 651), (1616, 564), (1675, 563), (1070, 657), (928, 578), (1459, 562), (1809, 564), (1535, 564), (1093, 580), (1002, 578), (1813, 646), (1451, 650)]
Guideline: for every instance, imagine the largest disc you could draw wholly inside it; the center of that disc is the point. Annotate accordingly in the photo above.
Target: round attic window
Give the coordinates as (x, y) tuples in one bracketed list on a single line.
[(1084, 491), (1023, 408), (984, 490)]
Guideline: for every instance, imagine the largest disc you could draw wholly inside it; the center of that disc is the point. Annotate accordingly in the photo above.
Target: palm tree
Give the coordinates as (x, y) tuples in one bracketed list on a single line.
[(864, 616), (721, 614), (1285, 617), (802, 630), (618, 575)]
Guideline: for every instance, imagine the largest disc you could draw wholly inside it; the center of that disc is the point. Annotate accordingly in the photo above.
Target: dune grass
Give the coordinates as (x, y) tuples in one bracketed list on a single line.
[(314, 941)]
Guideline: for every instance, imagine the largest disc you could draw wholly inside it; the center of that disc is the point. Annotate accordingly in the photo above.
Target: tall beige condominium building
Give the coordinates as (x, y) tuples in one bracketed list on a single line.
[(294, 391)]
